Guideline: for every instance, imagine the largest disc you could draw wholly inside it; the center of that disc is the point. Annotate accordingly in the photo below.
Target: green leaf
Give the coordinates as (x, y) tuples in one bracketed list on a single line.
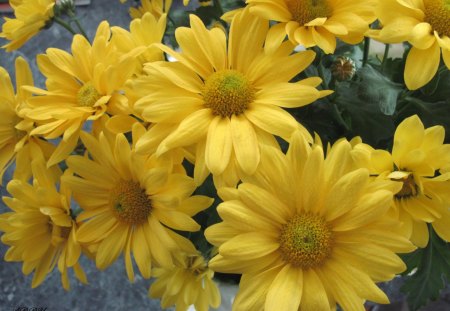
[(433, 269), (437, 89), (376, 88), (360, 99)]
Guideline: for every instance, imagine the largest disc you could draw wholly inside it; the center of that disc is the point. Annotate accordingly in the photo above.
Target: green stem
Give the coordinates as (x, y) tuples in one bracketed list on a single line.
[(322, 75), (65, 25), (74, 18), (77, 22), (366, 50), (338, 116), (385, 56)]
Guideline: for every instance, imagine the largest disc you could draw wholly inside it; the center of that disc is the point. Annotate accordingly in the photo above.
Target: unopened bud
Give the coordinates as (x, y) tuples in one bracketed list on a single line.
[(343, 68)]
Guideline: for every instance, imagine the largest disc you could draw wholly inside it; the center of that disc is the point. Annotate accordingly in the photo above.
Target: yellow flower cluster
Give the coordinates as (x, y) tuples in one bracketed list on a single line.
[(308, 229)]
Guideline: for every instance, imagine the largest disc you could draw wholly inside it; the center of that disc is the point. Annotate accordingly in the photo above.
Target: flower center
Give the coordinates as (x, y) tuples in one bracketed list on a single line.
[(306, 241), (59, 234), (409, 188), (437, 14), (304, 11), (196, 264), (129, 203), (228, 92), (87, 95)]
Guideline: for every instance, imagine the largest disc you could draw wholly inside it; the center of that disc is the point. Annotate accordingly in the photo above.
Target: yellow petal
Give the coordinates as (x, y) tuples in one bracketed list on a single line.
[(314, 296), (176, 220), (408, 136), (324, 39), (219, 145), (245, 143), (264, 203), (111, 247), (248, 246), (191, 130), (141, 251), (253, 290), (421, 66), (420, 234), (345, 193), (421, 36), (273, 120), (285, 292)]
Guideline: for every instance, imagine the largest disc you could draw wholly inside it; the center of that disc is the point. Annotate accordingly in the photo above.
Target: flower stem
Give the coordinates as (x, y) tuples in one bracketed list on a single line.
[(385, 56), (65, 25), (73, 17), (366, 50)]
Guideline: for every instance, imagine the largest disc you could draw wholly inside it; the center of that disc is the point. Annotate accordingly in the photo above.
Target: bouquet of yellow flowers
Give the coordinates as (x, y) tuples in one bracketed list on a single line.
[(264, 141)]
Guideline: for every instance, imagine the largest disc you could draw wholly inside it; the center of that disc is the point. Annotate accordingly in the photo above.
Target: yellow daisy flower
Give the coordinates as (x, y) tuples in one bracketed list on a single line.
[(318, 22), (143, 33), (131, 205), (156, 7), (307, 232), (188, 282), (40, 230), (80, 87), (417, 155), (31, 17), (425, 24), (15, 128), (225, 100)]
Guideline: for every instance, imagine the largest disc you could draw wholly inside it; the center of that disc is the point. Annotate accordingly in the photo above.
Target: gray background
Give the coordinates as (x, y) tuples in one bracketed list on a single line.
[(109, 289)]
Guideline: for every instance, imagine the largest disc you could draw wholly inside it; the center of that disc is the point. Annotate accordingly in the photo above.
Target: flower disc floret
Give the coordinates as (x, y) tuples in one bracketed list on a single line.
[(130, 203), (87, 95), (437, 14), (409, 188), (228, 93), (305, 11), (306, 241)]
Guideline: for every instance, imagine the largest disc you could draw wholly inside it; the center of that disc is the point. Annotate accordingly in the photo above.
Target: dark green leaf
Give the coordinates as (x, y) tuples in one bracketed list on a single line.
[(433, 269)]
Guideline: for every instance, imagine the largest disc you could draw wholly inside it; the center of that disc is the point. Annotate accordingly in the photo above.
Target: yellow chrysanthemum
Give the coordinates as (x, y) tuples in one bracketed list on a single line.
[(188, 282), (417, 155), (318, 22), (226, 101), (156, 7), (425, 24), (80, 87), (40, 229), (307, 233), (143, 33), (15, 140), (31, 17), (131, 204)]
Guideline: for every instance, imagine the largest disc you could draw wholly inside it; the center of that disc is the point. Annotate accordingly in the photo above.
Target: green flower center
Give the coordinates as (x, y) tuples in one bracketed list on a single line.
[(409, 187), (437, 14), (228, 92), (87, 95), (304, 11), (306, 241), (129, 202)]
